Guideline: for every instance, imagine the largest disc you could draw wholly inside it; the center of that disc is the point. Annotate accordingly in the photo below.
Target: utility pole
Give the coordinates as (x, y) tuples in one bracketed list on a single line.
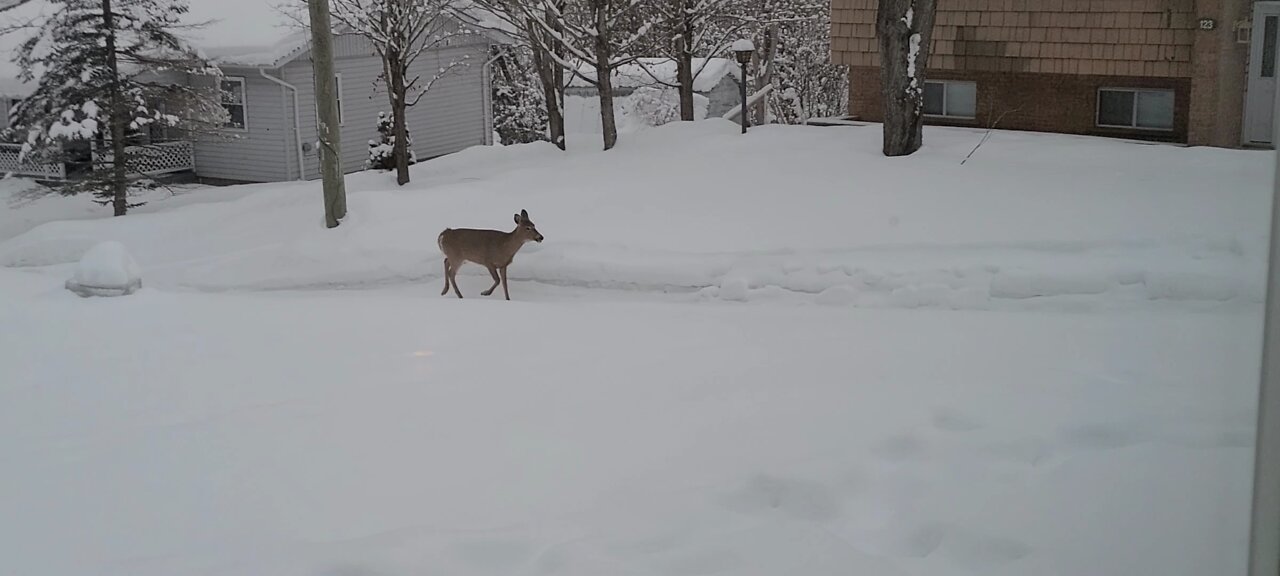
[(335, 192)]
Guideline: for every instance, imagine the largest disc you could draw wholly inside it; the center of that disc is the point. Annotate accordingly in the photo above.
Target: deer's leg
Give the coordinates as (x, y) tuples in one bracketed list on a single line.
[(504, 282), (493, 271), (453, 278), (446, 278)]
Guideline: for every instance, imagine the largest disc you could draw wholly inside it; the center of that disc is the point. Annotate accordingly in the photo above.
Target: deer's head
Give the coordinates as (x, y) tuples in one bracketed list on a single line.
[(525, 229)]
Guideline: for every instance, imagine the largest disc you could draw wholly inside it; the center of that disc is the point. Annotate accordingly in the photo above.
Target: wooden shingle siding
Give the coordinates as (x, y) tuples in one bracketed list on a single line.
[(1098, 37)]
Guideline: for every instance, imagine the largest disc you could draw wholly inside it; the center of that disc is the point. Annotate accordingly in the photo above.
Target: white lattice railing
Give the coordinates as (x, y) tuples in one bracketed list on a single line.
[(9, 164), (153, 159)]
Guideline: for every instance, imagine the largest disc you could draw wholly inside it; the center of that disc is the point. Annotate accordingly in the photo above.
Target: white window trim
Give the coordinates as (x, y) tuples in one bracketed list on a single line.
[(944, 100), (244, 101), (342, 114), (1133, 120)]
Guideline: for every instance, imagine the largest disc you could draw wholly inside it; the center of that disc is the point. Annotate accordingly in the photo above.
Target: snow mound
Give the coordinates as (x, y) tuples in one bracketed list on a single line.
[(107, 269)]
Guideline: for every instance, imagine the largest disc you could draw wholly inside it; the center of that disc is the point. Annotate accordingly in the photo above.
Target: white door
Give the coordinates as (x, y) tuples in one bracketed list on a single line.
[(1260, 106)]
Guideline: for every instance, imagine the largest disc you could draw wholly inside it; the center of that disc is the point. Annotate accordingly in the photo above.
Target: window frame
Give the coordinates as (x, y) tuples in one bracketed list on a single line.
[(1133, 119), (244, 102), (945, 112), (342, 114)]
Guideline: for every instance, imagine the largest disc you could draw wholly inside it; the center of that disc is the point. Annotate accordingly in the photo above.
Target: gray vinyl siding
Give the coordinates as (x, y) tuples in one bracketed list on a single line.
[(4, 111), (452, 115), (259, 153)]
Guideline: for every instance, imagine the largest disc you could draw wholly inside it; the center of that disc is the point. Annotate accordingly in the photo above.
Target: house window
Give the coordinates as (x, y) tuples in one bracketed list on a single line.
[(1134, 108), (337, 90), (337, 84), (233, 101), (950, 99)]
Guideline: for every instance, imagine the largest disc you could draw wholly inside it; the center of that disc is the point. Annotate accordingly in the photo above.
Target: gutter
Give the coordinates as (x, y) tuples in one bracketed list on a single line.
[(487, 98), (297, 120)]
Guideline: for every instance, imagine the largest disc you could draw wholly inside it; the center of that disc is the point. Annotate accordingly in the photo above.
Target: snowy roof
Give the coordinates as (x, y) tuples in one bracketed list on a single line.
[(658, 71), (246, 32), (255, 33), (269, 33)]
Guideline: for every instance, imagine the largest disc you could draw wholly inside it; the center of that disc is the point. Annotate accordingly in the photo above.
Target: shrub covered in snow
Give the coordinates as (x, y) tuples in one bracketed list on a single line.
[(380, 150), (519, 107), (654, 106)]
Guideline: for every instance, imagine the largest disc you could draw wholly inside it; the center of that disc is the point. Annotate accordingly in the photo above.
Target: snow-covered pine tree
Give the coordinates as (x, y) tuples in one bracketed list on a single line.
[(382, 150), (519, 108), (98, 67)]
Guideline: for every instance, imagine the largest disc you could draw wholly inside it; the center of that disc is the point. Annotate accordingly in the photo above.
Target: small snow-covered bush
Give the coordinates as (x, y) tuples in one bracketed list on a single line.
[(519, 107), (654, 106), (380, 150)]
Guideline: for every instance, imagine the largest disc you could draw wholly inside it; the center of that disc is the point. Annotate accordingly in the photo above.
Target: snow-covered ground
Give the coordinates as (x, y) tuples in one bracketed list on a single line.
[(773, 354)]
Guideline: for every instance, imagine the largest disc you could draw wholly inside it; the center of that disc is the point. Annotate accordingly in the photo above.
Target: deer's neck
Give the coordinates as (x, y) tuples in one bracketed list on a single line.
[(513, 242)]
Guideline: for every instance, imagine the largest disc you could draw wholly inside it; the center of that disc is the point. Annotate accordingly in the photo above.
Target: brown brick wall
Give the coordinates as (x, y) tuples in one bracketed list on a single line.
[(1028, 101)]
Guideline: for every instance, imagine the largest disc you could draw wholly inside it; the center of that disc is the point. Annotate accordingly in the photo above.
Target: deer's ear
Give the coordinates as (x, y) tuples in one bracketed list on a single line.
[(517, 218), (524, 215)]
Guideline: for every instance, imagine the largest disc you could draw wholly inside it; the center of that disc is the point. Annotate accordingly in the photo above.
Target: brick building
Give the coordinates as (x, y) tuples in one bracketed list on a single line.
[(1174, 70)]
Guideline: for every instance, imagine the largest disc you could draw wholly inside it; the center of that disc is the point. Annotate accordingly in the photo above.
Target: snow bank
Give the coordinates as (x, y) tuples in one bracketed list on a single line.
[(1031, 221), (107, 269), (708, 73)]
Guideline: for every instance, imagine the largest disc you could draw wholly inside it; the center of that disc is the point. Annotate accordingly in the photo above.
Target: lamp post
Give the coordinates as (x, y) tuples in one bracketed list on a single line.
[(743, 50)]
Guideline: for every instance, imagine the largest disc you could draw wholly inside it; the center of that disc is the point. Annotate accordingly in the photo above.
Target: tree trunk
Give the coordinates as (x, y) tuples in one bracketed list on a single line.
[(119, 169), (904, 28), (684, 68), (335, 193), (549, 80), (604, 74), (764, 72), (399, 125)]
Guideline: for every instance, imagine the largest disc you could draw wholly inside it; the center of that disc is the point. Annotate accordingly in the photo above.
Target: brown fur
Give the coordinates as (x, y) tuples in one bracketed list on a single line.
[(492, 249)]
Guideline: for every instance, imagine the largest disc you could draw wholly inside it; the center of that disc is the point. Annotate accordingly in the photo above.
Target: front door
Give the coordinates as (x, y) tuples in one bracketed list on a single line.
[(1261, 96)]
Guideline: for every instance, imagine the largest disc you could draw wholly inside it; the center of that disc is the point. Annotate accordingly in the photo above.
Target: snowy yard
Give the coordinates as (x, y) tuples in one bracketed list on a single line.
[(773, 354)]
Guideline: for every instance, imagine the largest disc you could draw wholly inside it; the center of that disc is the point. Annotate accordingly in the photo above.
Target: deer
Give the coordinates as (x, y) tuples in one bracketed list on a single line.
[(492, 249)]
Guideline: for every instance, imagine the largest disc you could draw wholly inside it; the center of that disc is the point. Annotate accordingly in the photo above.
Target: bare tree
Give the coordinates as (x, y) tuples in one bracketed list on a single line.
[(904, 28), (547, 53), (599, 33), (401, 31), (688, 28)]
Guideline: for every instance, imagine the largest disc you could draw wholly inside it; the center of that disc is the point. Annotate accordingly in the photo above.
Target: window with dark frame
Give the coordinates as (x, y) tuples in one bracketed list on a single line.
[(1135, 108), (951, 99), (233, 101)]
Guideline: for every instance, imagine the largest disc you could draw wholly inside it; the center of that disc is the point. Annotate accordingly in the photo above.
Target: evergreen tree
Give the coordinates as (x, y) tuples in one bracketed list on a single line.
[(99, 69), (382, 150)]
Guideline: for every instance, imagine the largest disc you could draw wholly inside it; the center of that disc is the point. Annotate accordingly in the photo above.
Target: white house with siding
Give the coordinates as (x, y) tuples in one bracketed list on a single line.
[(269, 95)]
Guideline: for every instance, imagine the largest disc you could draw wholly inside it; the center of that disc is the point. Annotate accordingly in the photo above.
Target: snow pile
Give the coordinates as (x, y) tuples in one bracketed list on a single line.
[(1032, 221), (107, 269), (645, 108), (708, 73)]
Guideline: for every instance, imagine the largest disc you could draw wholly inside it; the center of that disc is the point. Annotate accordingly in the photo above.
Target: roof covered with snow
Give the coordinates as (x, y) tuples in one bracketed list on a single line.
[(708, 72), (254, 33), (247, 32)]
